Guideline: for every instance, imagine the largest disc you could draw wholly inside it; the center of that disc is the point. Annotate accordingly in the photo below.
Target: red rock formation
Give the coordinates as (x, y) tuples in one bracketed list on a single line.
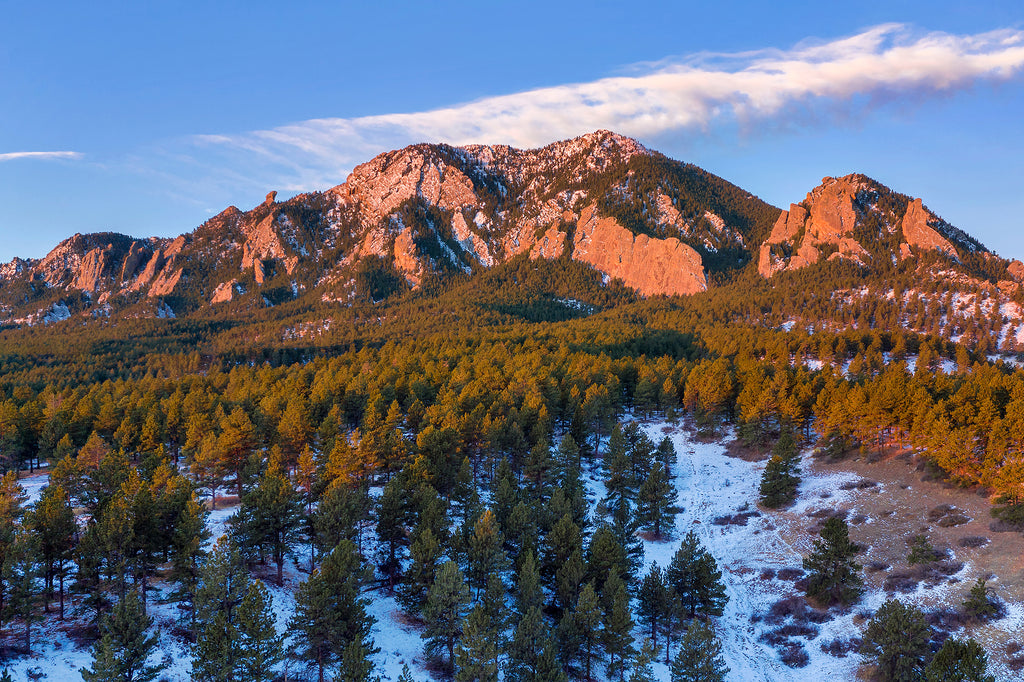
[(224, 292), (786, 228), (406, 259), (651, 266), (828, 217), (550, 245), (831, 208), (90, 271), (918, 234)]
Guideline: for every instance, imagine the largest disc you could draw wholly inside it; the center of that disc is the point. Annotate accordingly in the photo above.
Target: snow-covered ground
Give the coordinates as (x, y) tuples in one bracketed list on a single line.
[(710, 485)]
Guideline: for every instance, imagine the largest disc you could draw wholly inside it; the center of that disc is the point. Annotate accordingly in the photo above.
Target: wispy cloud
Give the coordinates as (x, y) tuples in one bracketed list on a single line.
[(11, 156), (677, 95)]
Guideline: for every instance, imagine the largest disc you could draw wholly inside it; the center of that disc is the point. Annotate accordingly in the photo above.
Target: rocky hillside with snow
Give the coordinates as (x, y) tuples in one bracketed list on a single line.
[(427, 212), (860, 220)]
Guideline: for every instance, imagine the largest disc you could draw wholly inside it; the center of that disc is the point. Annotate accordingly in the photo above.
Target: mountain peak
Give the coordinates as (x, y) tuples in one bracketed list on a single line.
[(854, 218)]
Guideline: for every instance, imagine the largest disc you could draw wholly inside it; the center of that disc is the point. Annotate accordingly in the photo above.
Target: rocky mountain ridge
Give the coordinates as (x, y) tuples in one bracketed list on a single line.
[(427, 211), (848, 218)]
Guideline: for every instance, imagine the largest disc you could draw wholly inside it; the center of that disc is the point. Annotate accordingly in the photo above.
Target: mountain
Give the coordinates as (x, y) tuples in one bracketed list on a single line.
[(860, 220), (427, 213)]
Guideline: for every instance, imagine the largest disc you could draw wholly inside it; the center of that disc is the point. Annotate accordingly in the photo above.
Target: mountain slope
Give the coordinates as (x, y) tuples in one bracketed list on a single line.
[(858, 219), (413, 214), (428, 213)]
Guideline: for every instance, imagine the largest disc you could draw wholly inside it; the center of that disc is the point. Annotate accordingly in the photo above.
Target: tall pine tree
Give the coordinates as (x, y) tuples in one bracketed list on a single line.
[(330, 616), (896, 639), (259, 645), (781, 476), (696, 579), (834, 575), (700, 656), (444, 611), (122, 653)]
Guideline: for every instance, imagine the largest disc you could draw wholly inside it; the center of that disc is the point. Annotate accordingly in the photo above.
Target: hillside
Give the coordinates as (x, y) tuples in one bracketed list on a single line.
[(523, 378)]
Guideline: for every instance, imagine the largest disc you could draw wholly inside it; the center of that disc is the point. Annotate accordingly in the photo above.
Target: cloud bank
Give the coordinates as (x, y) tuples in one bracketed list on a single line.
[(699, 93), (11, 156)]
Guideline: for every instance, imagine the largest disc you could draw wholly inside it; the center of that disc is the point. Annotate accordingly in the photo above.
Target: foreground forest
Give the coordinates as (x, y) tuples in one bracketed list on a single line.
[(483, 466)]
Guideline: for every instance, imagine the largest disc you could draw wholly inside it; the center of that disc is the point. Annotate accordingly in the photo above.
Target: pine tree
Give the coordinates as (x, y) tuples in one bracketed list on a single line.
[(476, 656), (700, 656), (392, 520), (20, 572), (834, 574), (625, 527), (270, 518), (188, 553), (486, 556), (53, 521), (406, 675), (207, 467), (616, 626), (671, 620), (528, 590), (921, 551), (666, 454), (580, 631), (605, 554), (223, 584), (329, 613), (426, 555), (896, 639), (236, 443), (568, 580), (443, 613), (356, 665), (694, 576), (653, 600), (537, 472), (562, 540), (339, 516), (122, 652), (959, 661), (532, 655), (259, 645), (641, 667), (655, 502), (618, 473), (781, 477), (979, 604)]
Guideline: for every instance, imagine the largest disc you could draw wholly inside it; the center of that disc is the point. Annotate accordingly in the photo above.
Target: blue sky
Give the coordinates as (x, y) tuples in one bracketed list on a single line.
[(147, 118)]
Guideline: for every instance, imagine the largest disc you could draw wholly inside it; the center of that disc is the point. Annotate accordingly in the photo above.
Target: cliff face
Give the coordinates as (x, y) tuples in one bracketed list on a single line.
[(848, 218), (428, 211), (424, 210), (649, 265)]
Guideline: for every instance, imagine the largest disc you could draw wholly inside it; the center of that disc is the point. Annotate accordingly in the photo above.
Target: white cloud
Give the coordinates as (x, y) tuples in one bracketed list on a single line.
[(886, 62), (11, 156)]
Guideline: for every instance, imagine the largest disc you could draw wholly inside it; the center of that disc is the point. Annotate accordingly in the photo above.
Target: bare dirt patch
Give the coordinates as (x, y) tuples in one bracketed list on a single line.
[(734, 448)]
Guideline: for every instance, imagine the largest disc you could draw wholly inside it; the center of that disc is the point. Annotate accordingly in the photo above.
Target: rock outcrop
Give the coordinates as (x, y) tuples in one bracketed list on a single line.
[(837, 219), (917, 233), (601, 199), (651, 266)]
